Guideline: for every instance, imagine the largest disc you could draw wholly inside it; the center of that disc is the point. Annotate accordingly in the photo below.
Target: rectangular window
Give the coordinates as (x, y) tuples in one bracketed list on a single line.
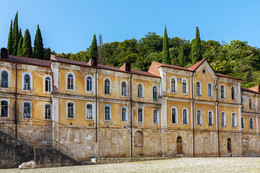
[(155, 116), (233, 120), (251, 123), (27, 110), (107, 113), (89, 111), (242, 122), (70, 110), (140, 115), (47, 111)]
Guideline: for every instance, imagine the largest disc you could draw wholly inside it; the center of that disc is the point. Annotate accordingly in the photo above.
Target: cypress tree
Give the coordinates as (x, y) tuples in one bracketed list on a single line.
[(27, 44), (101, 58), (10, 39), (20, 33), (38, 45), (181, 55), (20, 47), (15, 35), (94, 48), (166, 53), (196, 48)]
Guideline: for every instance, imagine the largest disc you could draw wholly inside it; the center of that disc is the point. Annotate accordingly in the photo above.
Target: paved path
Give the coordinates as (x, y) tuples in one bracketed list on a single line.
[(235, 164)]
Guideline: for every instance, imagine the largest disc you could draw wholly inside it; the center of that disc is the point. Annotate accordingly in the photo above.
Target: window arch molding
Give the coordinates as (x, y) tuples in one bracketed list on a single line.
[(222, 91), (156, 120), (110, 112), (89, 90), (23, 82), (121, 88), (87, 114), (210, 89), (44, 83), (142, 90), (199, 119), (126, 115), (140, 108), (211, 123), (156, 92), (74, 81), (8, 105), (173, 88), (30, 103), (187, 115), (233, 124), (223, 119), (250, 102), (109, 87), (8, 78), (74, 110), (176, 116), (198, 88), (184, 80)]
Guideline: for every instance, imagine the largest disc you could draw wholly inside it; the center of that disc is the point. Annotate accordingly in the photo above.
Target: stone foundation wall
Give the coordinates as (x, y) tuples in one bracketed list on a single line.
[(236, 143), (250, 145)]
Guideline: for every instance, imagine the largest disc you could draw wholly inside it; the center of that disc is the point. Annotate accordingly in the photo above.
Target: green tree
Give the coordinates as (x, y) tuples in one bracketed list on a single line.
[(20, 47), (94, 48), (27, 44), (166, 54), (10, 39), (15, 35), (196, 48), (101, 58), (38, 45), (180, 58)]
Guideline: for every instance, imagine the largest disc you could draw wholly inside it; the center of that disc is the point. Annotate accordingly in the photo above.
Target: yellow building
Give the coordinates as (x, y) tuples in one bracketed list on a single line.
[(99, 110)]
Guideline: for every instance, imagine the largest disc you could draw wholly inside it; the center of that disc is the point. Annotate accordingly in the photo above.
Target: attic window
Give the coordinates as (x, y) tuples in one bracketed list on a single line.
[(204, 71)]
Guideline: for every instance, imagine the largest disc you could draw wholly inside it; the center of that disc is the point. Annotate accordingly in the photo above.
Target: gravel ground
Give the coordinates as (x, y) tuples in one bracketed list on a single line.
[(235, 164)]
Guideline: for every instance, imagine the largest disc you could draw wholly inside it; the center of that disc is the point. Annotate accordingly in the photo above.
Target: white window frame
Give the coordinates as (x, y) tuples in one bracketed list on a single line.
[(8, 110), (176, 111), (31, 83), (44, 110), (23, 109), (200, 117), (221, 91), (142, 115), (224, 125), (250, 123), (187, 91), (125, 115), (110, 112), (211, 90), (157, 90), (157, 119), (74, 81), (175, 87), (198, 94), (92, 84), (235, 125), (186, 115), (44, 86), (8, 86), (251, 105), (86, 115), (212, 120), (74, 110), (110, 85), (142, 90), (121, 88)]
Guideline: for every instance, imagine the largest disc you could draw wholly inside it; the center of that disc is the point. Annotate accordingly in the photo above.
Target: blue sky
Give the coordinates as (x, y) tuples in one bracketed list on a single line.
[(68, 26)]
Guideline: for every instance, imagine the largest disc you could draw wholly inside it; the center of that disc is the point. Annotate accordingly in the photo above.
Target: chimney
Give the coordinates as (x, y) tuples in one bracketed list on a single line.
[(94, 61), (127, 66), (4, 53)]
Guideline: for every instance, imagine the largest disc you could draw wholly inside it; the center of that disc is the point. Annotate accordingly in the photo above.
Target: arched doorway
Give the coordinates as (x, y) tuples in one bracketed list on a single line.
[(229, 145), (179, 145), (138, 143)]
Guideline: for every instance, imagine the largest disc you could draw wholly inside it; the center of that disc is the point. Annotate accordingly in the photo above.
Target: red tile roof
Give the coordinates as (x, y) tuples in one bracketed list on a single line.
[(25, 60), (222, 75), (195, 66), (256, 88), (249, 90)]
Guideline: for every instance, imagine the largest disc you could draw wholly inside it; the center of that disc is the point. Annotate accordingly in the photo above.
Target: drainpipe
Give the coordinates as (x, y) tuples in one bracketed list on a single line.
[(131, 117), (217, 112), (192, 112), (15, 102)]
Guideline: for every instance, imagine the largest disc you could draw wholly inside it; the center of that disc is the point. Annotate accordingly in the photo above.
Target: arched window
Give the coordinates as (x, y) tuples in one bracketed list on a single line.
[(123, 89), (107, 86), (251, 120), (140, 115), (27, 82), (173, 85), (184, 86), (47, 84), (198, 93), (4, 108), (185, 118), (199, 117), (234, 120), (107, 112), (209, 89), (232, 93), (140, 90), (47, 112), (27, 110), (174, 115), (89, 84), (4, 79), (89, 112), (222, 91), (124, 113), (155, 93), (223, 119), (210, 118), (70, 110), (70, 81), (250, 104), (155, 116)]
